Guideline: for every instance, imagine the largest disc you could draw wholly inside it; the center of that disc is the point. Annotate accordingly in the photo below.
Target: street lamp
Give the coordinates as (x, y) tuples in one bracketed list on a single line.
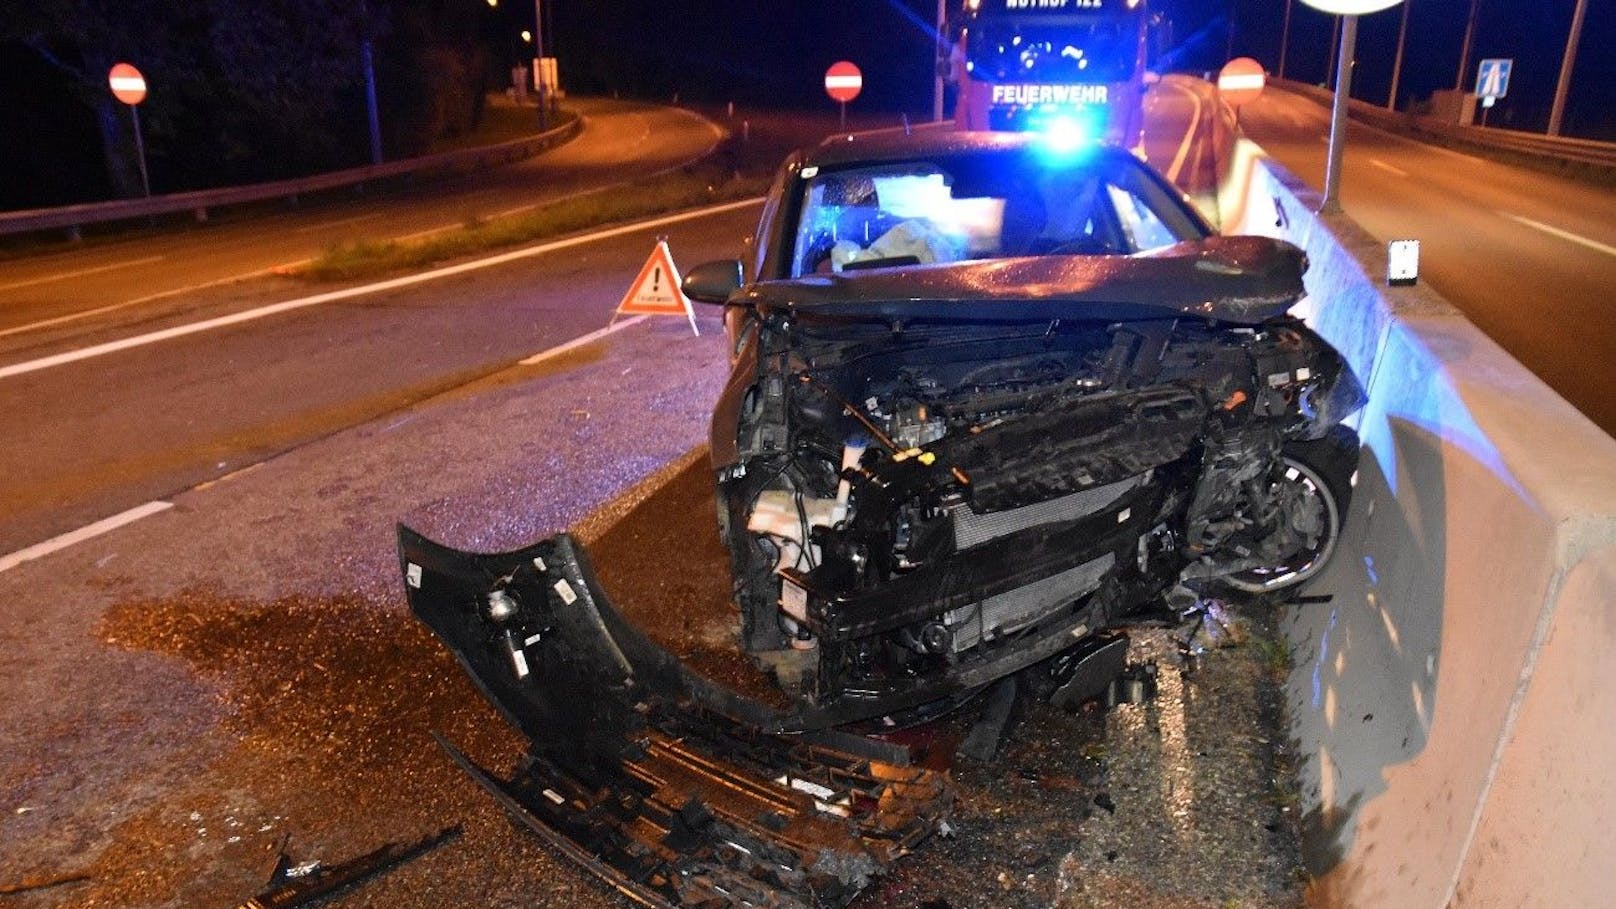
[(1349, 11), (538, 64), (1563, 86), (1397, 62)]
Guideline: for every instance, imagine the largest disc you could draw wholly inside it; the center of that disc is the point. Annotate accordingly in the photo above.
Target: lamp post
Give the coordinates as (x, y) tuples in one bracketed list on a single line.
[(1285, 37), (1349, 11), (538, 64), (1397, 62), (1464, 49), (1563, 86)]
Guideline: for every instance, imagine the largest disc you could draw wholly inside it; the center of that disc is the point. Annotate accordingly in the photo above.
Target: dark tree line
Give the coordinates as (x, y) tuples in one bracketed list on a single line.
[(239, 90)]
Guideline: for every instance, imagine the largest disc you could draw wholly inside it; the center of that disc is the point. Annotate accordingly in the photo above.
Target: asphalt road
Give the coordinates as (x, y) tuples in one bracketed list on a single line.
[(237, 665), (45, 298), (1528, 257), (182, 691)]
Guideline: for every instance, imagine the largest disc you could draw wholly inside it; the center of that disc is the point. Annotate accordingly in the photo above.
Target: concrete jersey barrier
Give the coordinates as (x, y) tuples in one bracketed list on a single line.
[(1449, 705)]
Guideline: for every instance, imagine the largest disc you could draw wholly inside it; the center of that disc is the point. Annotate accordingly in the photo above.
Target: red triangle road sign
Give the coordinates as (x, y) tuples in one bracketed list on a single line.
[(656, 291)]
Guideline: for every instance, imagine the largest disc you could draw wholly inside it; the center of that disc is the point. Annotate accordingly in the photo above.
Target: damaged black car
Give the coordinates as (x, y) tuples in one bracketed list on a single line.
[(989, 400), (991, 397)]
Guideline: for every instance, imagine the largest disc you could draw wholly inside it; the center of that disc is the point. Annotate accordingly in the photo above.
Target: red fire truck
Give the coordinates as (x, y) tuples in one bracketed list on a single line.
[(1075, 66)]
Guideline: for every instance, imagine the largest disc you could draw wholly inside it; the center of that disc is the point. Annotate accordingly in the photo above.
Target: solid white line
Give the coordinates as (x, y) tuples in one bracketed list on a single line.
[(338, 223), (1189, 136), (1563, 234), (73, 317), (1387, 167), (63, 276), (581, 340), (179, 331), (105, 525), (718, 135)]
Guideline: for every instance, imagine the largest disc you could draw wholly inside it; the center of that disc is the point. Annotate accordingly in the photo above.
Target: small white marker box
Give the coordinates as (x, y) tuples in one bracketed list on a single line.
[(1402, 262)]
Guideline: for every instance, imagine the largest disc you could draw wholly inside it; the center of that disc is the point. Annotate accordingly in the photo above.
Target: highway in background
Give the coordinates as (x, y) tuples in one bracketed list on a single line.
[(1528, 257), (43, 298)]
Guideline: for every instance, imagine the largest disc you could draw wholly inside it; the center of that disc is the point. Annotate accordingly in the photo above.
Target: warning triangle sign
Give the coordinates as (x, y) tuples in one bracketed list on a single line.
[(656, 291)]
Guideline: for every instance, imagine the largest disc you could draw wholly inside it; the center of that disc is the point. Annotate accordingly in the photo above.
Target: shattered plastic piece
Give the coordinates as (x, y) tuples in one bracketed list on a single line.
[(1136, 685), (661, 784), (1089, 670), (291, 885)]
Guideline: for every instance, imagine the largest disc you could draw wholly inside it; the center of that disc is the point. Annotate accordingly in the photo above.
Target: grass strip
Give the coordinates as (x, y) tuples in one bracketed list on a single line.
[(691, 187)]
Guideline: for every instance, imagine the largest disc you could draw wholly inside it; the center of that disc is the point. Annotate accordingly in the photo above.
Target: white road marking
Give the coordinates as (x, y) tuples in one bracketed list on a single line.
[(64, 275), (338, 223), (1388, 168), (581, 340), (1563, 234), (178, 331), (1189, 136), (72, 317), (718, 136), (89, 531)]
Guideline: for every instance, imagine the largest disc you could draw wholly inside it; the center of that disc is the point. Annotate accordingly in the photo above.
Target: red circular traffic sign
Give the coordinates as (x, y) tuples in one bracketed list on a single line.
[(1240, 81), (843, 81), (128, 85)]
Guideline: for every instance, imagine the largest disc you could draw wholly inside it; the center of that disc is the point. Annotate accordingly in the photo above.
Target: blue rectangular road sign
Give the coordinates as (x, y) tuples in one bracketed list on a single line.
[(1492, 77)]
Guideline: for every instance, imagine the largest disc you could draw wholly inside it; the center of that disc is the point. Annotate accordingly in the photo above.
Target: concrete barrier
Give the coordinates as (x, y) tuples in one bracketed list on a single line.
[(1449, 705)]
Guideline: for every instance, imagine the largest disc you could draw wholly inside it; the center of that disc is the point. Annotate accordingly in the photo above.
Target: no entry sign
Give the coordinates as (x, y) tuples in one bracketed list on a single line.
[(128, 85), (1240, 81), (843, 81)]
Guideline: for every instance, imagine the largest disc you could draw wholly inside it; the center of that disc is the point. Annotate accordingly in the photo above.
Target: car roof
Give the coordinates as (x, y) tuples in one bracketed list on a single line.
[(923, 141)]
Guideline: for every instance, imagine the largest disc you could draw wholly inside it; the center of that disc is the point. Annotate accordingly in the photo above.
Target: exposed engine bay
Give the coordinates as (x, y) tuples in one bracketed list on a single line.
[(915, 509)]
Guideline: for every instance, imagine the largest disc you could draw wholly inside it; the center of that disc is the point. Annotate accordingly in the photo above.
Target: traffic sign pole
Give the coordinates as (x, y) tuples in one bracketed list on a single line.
[(843, 82), (1338, 115), (140, 151), (129, 86)]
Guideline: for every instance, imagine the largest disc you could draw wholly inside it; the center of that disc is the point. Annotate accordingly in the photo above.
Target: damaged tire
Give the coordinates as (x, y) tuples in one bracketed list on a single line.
[(1315, 485)]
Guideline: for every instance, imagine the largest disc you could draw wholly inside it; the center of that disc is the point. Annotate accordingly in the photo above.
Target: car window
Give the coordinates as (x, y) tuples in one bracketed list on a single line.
[(1141, 226), (977, 206)]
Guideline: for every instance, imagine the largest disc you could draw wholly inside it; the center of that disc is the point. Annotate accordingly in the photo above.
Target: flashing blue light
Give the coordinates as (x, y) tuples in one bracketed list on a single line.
[(1064, 134)]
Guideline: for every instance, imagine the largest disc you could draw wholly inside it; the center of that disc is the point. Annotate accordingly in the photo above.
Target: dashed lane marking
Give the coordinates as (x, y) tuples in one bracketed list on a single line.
[(1579, 239), (87, 532), (261, 312), (79, 273), (1388, 168)]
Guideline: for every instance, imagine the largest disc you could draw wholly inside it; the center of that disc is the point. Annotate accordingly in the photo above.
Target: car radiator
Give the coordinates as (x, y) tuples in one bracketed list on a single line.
[(1013, 610)]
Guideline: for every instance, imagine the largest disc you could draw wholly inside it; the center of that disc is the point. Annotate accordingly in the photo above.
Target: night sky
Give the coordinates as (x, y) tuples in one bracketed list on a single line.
[(775, 52)]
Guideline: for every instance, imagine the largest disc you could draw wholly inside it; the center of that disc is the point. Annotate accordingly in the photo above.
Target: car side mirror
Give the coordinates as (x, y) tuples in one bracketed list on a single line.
[(713, 282)]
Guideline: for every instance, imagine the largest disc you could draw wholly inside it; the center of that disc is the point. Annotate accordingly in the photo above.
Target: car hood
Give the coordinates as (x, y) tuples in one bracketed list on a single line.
[(1244, 280)]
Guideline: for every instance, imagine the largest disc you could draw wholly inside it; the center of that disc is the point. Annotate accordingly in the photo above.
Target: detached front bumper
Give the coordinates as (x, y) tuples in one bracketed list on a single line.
[(666, 786)]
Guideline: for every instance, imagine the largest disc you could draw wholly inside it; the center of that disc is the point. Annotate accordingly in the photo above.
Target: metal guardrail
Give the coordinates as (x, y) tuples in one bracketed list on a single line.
[(1584, 156), (200, 202)]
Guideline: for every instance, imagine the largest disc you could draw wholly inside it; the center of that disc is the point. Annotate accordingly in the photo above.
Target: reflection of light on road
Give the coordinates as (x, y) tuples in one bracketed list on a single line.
[(1178, 776), (1417, 696), (1318, 664), (1386, 620), (1327, 775)]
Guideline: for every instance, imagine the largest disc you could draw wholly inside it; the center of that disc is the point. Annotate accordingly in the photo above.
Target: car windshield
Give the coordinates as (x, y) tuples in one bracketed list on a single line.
[(982, 205)]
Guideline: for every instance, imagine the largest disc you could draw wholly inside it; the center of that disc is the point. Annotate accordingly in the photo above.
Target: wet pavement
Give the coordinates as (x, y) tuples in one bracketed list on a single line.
[(181, 694)]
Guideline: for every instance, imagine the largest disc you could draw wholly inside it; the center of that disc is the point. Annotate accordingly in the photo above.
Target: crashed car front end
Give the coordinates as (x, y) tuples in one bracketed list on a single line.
[(930, 481)]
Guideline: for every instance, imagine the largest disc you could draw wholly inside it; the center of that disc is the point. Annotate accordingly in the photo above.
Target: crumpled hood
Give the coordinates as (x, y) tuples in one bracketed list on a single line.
[(1244, 280)]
